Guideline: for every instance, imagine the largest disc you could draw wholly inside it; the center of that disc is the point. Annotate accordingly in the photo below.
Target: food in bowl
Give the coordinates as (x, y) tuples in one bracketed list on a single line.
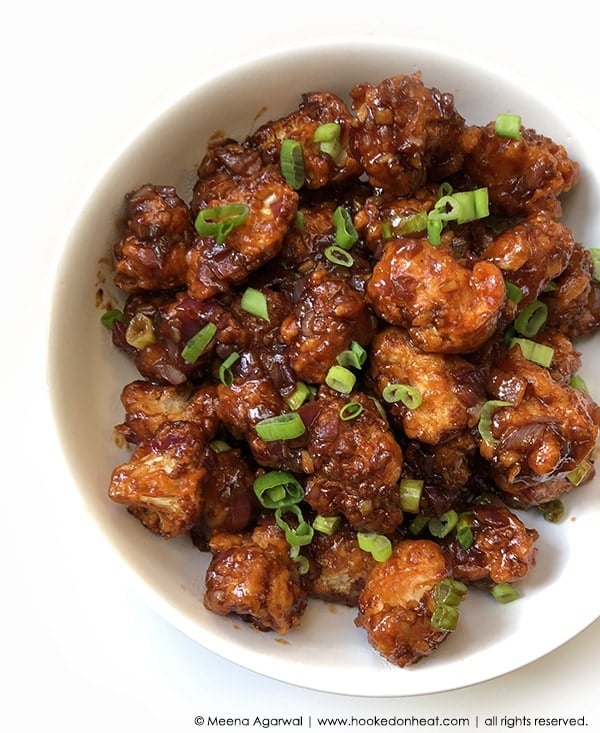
[(356, 363)]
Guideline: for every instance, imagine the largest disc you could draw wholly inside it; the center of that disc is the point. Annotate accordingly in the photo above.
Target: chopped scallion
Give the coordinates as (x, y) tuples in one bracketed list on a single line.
[(326, 525), (355, 356), (595, 255), (255, 302), (441, 526), (504, 592), (140, 331), (280, 427), (578, 382), (340, 379), (410, 396), (464, 532), (460, 206), (301, 533), (278, 489), (445, 618), (532, 351), (328, 137), (300, 394), (378, 545), (339, 256), (418, 524), (291, 162), (109, 317), (532, 319), (225, 373), (350, 411), (508, 125), (345, 233), (485, 419), (219, 221), (410, 494), (449, 591), (578, 474), (196, 346), (219, 446), (513, 292)]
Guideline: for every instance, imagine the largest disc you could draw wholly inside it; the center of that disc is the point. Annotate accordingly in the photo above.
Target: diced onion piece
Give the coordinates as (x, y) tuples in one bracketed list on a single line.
[(441, 526), (504, 592), (196, 346), (340, 379), (339, 256), (299, 535), (355, 356), (405, 393), (326, 525), (485, 419), (532, 319), (378, 545), (350, 410), (140, 331), (225, 373), (280, 427), (532, 351), (255, 302), (291, 163), (345, 233), (219, 221), (109, 317), (410, 494), (277, 489), (508, 125)]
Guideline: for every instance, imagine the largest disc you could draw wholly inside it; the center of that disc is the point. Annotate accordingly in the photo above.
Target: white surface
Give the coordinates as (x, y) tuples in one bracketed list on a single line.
[(79, 651)]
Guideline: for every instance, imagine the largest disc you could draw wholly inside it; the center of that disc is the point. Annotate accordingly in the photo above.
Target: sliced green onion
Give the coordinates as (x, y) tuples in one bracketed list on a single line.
[(255, 302), (485, 420), (578, 382), (339, 256), (219, 446), (504, 593), (461, 206), (328, 137), (445, 618), (405, 393), (350, 411), (299, 535), (434, 228), (220, 220), (277, 489), (300, 394), (578, 474), (301, 561), (464, 532), (532, 319), (291, 163), (410, 494), (378, 545), (532, 351), (444, 189), (386, 230), (449, 591), (326, 525), (355, 356), (513, 292), (140, 331), (553, 511), (402, 225), (418, 524), (299, 220), (345, 233), (595, 255), (198, 343), (508, 125), (340, 379), (441, 526), (280, 427), (225, 373), (109, 317)]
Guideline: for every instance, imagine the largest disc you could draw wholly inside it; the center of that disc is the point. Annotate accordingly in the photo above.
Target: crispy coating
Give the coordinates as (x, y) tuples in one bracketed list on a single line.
[(162, 483), (356, 464), (328, 315), (405, 133), (232, 176), (320, 168), (522, 176), (450, 387), (158, 233), (253, 576), (503, 549), (446, 307), (397, 602)]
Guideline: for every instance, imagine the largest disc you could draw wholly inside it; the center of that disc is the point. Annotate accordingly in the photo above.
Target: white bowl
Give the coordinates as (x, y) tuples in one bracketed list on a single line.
[(328, 652)]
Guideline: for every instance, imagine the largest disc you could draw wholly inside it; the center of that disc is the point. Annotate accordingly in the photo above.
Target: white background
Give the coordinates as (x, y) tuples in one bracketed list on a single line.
[(79, 652)]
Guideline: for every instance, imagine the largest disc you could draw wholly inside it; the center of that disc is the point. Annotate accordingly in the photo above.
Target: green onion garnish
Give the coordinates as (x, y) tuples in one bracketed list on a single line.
[(595, 255), (350, 411), (378, 545), (441, 526), (255, 302), (578, 474), (299, 220), (140, 331), (355, 356), (219, 221), (553, 511), (198, 343), (299, 535), (291, 163), (464, 533), (532, 351), (328, 137), (507, 125), (418, 524), (345, 233), (578, 382), (513, 292), (504, 592), (462, 207), (280, 427), (277, 489), (219, 446), (449, 591), (405, 393), (300, 394), (532, 319), (402, 225), (445, 618), (225, 373), (340, 379), (339, 256), (485, 420), (109, 317), (410, 494), (326, 525)]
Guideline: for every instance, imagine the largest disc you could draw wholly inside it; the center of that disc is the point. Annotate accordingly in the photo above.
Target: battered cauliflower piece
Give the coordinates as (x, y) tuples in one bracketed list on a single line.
[(446, 307), (397, 603)]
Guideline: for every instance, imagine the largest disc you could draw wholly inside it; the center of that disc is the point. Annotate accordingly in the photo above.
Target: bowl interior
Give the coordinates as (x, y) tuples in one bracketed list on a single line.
[(86, 376)]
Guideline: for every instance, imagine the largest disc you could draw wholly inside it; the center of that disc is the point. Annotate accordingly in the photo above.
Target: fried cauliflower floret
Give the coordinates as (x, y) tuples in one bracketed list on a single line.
[(158, 233), (503, 548), (397, 603), (254, 577), (449, 386), (405, 133), (522, 176), (321, 168), (162, 483), (356, 464), (446, 307)]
